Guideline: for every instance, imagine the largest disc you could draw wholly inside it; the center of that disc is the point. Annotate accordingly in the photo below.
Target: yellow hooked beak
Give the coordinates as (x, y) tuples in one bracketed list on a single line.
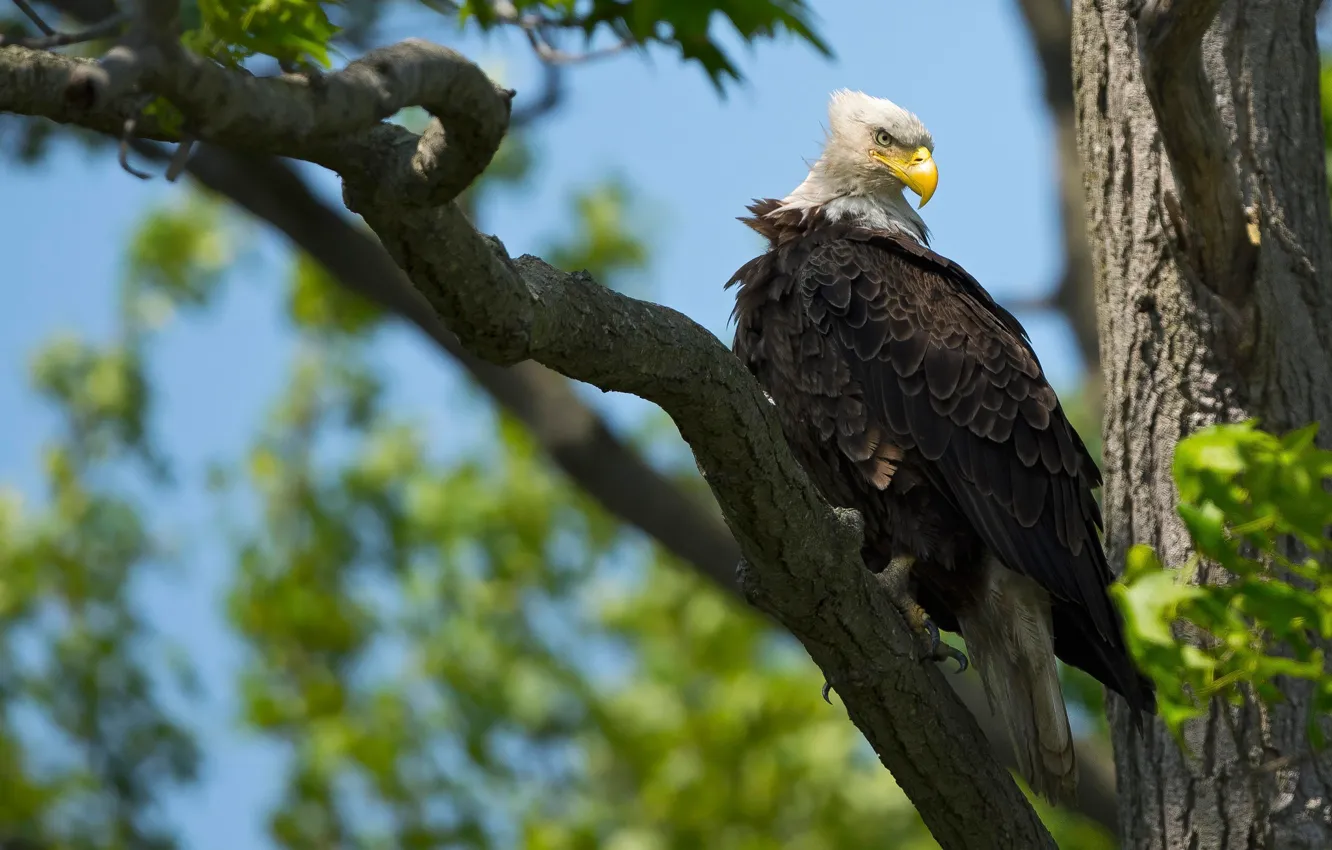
[(918, 174)]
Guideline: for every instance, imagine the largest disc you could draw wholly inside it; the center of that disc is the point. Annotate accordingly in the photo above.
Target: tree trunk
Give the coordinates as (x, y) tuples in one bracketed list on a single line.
[(1180, 351)]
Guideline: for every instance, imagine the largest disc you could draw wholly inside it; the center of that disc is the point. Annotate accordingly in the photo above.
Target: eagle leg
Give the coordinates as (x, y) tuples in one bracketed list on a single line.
[(896, 579)]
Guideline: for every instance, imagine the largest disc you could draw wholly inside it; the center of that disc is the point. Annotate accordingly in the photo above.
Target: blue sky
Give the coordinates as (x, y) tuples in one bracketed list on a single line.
[(693, 161)]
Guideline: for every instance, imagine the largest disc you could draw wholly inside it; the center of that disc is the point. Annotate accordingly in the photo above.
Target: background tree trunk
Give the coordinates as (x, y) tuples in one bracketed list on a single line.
[(1181, 352)]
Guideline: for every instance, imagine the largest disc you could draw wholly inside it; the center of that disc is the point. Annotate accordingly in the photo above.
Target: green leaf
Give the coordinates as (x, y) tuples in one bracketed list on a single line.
[(291, 31), (688, 26), (317, 302)]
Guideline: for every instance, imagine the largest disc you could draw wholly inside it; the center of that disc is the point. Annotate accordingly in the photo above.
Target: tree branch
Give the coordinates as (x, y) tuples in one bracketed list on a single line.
[(807, 570), (552, 92), (1050, 25), (1215, 227), (332, 120), (574, 435), (36, 19), (105, 29)]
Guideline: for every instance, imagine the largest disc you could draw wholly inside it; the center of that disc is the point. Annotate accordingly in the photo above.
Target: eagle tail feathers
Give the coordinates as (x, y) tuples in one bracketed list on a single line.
[(1011, 643)]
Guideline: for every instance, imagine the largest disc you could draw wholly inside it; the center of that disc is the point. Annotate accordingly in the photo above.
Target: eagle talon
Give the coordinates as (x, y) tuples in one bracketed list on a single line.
[(896, 579), (941, 652), (827, 686), (932, 632), (945, 652)]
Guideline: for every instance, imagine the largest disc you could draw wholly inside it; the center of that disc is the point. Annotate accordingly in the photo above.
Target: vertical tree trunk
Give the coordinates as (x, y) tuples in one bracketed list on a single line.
[(1178, 356)]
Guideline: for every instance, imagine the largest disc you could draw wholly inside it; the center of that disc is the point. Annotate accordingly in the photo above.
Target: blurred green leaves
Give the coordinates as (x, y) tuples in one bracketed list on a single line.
[(315, 300), (1256, 505), (459, 641), (603, 243), (301, 32), (74, 650)]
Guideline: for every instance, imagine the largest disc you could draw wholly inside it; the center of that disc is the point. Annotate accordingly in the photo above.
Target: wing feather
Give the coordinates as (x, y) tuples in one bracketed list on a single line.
[(943, 368)]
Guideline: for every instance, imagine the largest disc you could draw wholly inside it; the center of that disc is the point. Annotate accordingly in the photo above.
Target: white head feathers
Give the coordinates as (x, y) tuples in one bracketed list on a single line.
[(851, 180), (850, 112)]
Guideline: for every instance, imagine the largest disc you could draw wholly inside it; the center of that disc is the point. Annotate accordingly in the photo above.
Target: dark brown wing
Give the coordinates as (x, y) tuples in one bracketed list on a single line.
[(948, 372)]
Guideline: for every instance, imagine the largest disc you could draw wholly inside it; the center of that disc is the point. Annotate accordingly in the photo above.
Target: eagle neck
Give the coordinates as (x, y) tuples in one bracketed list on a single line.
[(821, 197)]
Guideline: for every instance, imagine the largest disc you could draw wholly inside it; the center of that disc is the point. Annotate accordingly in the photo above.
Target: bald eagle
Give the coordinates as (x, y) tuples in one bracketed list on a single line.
[(908, 394)]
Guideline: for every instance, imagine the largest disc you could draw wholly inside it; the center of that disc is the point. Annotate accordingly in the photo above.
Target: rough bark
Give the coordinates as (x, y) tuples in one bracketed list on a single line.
[(1208, 313), (806, 569)]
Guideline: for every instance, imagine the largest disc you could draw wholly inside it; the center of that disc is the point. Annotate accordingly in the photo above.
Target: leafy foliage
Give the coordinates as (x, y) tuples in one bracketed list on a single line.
[(685, 25), (231, 31), (449, 638), (316, 301), (601, 245), (1256, 505), (74, 652), (300, 32)]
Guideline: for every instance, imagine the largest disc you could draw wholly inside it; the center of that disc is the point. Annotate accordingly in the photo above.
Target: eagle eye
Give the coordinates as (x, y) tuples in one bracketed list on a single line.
[(882, 138)]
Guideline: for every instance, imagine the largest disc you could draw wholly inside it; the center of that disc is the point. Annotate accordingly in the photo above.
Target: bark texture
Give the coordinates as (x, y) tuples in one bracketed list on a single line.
[(1188, 340)]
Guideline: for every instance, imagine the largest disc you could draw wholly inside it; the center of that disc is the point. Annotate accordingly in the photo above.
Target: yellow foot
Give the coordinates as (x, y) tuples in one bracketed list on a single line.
[(896, 579)]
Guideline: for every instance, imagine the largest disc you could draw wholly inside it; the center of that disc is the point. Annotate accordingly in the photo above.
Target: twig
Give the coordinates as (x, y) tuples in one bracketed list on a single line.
[(140, 52), (537, 30), (552, 92), (34, 17), (552, 55), (180, 158), (109, 27), (128, 134)]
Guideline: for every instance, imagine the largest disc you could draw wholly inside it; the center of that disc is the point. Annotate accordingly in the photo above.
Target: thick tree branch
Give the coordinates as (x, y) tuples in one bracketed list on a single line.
[(1215, 228), (573, 434), (332, 120), (808, 574), (1049, 23), (807, 571)]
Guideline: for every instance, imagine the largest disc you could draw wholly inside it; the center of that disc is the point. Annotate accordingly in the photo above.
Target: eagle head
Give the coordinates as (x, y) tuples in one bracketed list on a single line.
[(878, 147)]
